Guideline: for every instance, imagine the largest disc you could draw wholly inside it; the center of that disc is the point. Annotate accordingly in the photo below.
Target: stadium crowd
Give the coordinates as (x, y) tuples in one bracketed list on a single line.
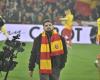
[(34, 11)]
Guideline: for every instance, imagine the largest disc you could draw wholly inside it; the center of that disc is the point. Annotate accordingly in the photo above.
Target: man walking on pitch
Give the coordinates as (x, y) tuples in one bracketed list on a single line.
[(49, 52)]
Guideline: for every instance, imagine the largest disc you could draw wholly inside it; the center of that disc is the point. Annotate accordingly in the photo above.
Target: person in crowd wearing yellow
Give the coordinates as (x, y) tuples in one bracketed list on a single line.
[(49, 52), (3, 27), (68, 23), (98, 33)]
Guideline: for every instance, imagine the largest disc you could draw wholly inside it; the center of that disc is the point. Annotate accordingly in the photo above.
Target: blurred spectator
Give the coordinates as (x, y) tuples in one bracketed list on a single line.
[(39, 18), (78, 21), (93, 34), (2, 6)]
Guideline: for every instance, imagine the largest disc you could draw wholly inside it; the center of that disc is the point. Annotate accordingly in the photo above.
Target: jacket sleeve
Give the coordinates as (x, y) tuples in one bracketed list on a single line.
[(34, 54), (64, 56)]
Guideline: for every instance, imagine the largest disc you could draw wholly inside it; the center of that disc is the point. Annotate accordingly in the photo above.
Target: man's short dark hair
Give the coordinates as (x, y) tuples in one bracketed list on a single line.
[(47, 20)]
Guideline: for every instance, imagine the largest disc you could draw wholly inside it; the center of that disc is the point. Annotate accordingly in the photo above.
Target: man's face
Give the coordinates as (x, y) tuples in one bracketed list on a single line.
[(67, 12), (48, 26)]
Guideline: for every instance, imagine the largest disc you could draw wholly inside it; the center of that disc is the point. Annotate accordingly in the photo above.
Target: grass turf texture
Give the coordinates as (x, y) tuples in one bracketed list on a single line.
[(79, 66)]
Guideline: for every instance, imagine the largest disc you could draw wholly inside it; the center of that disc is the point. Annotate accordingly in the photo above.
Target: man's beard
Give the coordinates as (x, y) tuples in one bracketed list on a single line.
[(49, 29)]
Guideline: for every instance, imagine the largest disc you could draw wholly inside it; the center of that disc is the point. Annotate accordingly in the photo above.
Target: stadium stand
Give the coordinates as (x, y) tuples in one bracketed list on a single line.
[(33, 11)]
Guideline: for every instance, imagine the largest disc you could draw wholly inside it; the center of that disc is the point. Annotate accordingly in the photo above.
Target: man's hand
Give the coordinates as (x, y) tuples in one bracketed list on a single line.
[(30, 73)]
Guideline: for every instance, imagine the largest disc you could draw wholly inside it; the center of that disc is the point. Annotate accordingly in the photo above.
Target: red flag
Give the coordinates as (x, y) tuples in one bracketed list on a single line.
[(83, 8)]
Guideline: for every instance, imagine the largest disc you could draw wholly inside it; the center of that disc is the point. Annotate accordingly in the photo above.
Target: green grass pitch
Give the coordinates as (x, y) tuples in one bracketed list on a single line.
[(79, 66)]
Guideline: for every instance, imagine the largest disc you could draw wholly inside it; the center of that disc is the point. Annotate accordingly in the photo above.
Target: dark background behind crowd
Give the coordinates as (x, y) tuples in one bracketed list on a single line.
[(34, 11)]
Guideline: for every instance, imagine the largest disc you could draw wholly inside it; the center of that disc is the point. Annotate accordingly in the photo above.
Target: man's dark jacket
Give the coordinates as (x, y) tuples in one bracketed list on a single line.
[(57, 61)]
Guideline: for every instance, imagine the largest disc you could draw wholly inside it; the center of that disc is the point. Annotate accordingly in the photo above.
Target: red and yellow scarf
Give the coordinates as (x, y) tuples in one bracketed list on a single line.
[(45, 54)]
